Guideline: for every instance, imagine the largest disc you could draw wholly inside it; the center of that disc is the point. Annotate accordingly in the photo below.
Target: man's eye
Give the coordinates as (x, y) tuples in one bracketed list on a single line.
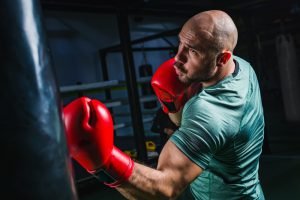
[(193, 51)]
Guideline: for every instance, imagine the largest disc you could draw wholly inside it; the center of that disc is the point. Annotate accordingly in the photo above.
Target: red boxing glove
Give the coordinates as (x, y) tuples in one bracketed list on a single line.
[(168, 88), (170, 91), (89, 131)]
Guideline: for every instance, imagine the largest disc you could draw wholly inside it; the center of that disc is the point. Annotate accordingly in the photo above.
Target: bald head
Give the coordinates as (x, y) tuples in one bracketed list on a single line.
[(215, 28)]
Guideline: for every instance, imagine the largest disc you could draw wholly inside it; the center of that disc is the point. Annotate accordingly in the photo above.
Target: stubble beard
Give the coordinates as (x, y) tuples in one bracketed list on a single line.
[(203, 76)]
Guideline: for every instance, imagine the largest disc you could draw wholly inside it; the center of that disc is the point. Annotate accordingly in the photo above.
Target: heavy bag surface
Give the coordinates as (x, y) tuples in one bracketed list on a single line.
[(34, 158)]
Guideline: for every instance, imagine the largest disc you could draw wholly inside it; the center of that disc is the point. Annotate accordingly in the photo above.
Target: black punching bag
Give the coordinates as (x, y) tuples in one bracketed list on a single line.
[(34, 159)]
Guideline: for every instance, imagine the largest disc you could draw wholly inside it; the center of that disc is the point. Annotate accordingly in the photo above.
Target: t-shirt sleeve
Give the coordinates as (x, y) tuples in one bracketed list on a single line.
[(200, 133)]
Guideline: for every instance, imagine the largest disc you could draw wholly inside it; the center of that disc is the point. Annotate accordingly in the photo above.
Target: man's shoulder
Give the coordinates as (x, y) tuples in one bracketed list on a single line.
[(200, 104)]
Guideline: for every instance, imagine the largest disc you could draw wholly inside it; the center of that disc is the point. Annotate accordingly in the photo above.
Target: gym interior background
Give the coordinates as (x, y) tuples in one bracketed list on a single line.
[(109, 49)]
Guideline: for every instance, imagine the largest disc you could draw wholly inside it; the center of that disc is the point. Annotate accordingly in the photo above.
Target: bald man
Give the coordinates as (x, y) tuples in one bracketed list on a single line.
[(215, 152)]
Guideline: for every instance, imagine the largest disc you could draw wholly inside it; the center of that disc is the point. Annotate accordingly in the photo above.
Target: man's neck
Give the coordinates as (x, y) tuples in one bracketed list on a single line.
[(222, 73)]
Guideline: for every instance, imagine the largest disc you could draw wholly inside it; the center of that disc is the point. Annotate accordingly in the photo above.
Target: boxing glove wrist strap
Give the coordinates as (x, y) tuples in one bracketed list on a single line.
[(119, 168)]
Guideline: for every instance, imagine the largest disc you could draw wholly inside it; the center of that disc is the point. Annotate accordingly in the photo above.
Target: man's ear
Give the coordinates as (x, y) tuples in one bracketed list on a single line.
[(223, 58)]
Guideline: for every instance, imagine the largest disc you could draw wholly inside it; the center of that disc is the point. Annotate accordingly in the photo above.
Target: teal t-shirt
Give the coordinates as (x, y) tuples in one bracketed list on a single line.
[(222, 131)]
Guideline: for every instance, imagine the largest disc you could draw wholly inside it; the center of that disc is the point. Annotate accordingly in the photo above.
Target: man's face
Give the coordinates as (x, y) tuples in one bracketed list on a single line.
[(193, 63)]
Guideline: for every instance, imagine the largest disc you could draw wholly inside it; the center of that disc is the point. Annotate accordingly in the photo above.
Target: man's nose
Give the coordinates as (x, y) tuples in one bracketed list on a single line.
[(180, 57)]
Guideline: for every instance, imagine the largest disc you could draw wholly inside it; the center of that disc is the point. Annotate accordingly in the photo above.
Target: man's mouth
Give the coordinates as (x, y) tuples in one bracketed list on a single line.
[(179, 69)]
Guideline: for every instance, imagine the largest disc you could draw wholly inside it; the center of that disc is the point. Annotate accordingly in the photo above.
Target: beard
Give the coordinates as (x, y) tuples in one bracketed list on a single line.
[(204, 74)]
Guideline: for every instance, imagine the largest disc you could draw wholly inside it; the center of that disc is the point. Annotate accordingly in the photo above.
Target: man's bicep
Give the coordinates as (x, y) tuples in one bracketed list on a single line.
[(178, 168)]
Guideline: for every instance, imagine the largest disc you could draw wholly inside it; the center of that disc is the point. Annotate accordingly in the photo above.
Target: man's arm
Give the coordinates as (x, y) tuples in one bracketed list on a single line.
[(173, 174), (176, 117), (89, 133)]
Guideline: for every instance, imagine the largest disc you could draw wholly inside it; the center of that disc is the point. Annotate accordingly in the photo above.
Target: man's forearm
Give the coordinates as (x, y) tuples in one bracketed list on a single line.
[(146, 183), (174, 172), (176, 117)]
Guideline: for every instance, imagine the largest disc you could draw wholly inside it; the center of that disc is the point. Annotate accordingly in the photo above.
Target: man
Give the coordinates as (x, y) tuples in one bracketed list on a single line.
[(214, 154)]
